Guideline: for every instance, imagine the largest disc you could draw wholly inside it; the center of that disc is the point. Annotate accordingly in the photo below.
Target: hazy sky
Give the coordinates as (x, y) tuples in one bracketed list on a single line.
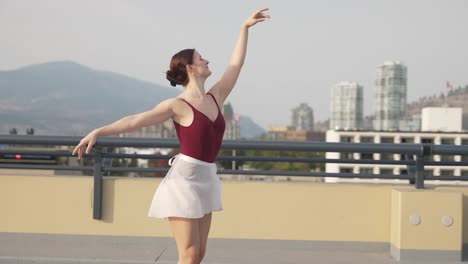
[(297, 56)]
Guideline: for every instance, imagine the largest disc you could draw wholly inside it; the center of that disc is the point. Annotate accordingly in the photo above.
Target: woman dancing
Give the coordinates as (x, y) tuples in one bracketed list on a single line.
[(191, 190)]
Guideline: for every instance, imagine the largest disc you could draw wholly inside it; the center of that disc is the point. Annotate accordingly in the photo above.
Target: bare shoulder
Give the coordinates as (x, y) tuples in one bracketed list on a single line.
[(215, 92), (171, 102), (178, 106)]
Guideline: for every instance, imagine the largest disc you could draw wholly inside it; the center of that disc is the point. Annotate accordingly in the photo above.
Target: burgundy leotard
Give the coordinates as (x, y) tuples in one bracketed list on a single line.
[(202, 139)]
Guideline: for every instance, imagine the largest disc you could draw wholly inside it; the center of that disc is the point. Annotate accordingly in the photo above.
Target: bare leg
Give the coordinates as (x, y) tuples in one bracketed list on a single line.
[(187, 236), (204, 227)]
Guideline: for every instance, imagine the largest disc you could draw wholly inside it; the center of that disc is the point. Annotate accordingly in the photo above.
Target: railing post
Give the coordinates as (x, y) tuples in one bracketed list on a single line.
[(425, 151), (419, 171), (97, 203), (233, 162)]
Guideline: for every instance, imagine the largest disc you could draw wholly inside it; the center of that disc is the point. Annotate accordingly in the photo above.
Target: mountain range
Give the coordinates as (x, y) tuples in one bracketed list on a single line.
[(67, 98)]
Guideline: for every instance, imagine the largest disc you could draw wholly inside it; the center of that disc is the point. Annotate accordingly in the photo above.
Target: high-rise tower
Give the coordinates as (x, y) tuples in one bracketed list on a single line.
[(346, 108), (302, 118), (390, 96)]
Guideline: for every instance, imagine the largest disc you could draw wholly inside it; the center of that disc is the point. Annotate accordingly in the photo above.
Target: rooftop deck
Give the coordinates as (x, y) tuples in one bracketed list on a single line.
[(54, 249)]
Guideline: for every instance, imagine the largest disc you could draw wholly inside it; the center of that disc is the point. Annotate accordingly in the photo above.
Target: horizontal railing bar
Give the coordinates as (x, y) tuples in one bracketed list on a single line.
[(317, 174), (136, 156), (227, 144), (325, 146), (446, 178), (450, 149), (134, 169), (317, 160), (44, 167), (54, 153), (445, 163)]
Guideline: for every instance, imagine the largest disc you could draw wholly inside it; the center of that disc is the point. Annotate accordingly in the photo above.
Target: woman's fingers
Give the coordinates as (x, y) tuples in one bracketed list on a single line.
[(89, 148), (257, 16), (79, 153), (259, 13), (76, 149), (262, 10), (80, 147)]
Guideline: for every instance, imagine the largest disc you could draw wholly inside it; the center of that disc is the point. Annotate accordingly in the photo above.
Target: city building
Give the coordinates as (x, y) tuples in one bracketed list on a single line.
[(301, 128), (232, 122), (346, 108), (390, 96), (448, 119), (397, 137), (284, 133), (164, 130), (302, 118)]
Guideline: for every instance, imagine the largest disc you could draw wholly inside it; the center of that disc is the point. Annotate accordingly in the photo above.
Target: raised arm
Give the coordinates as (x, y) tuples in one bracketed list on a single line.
[(224, 86), (162, 112)]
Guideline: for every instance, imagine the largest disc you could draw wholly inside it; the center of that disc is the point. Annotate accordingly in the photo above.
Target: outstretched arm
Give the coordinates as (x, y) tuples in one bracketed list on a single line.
[(162, 112), (224, 86)]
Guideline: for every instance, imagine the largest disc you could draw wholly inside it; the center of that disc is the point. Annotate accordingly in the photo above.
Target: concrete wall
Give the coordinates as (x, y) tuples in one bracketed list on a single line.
[(447, 119), (252, 210)]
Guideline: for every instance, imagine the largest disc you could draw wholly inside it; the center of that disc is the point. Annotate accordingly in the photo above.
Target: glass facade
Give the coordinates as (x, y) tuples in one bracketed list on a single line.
[(390, 96), (346, 107)]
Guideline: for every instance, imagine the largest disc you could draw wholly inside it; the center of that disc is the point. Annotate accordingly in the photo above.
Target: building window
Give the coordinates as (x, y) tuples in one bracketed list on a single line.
[(346, 139), (366, 139), (386, 156), (429, 173), (386, 171), (346, 170), (346, 155), (446, 173), (427, 140), (407, 140), (464, 173), (447, 141), (367, 156), (366, 170), (387, 140)]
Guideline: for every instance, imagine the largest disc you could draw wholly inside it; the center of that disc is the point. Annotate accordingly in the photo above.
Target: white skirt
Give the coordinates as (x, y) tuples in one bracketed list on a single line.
[(190, 189)]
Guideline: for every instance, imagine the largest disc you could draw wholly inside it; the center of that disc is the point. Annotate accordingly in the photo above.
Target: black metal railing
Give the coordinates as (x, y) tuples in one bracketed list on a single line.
[(416, 157)]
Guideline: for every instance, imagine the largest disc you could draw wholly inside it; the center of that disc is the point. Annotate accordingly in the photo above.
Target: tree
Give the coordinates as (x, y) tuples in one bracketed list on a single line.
[(133, 162), (13, 131), (227, 164), (30, 131), (286, 166)]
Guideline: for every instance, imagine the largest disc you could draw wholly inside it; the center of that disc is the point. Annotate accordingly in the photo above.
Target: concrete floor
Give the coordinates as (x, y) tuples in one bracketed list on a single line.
[(68, 249)]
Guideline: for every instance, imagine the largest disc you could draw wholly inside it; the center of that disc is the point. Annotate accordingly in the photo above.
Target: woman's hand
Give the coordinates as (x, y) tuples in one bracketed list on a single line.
[(89, 140), (256, 17)]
